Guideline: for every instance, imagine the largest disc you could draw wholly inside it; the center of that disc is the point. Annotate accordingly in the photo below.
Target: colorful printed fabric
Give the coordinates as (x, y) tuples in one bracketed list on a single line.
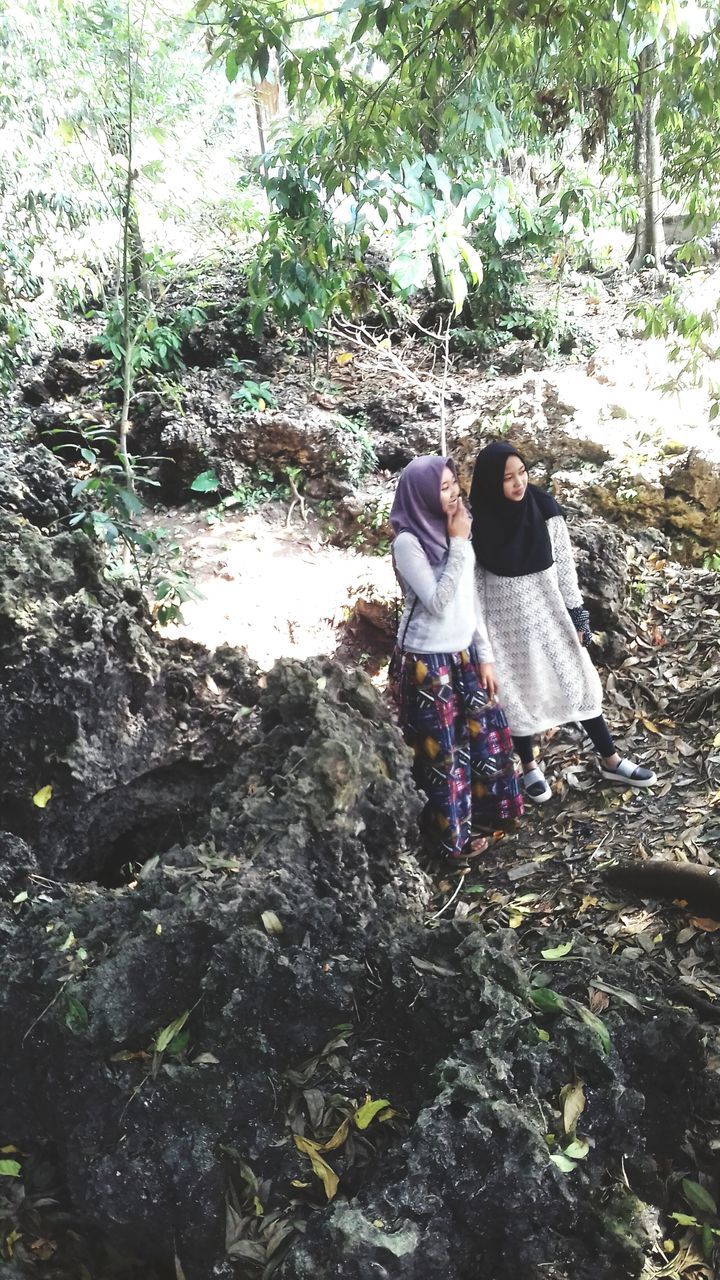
[(462, 745)]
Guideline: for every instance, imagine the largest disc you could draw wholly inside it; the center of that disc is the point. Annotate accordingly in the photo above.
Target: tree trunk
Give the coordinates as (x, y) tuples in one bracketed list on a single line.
[(649, 248), (127, 255), (442, 284), (656, 878), (138, 265), (266, 100)]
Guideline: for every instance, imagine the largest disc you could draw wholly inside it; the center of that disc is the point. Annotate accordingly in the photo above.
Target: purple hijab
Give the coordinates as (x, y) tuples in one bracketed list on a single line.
[(416, 507)]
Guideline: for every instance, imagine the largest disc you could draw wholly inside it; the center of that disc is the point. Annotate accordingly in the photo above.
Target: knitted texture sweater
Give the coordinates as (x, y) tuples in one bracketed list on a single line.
[(441, 613), (545, 676)]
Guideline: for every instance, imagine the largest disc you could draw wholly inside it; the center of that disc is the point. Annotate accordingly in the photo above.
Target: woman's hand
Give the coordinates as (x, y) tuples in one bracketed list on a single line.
[(488, 678), (459, 523)]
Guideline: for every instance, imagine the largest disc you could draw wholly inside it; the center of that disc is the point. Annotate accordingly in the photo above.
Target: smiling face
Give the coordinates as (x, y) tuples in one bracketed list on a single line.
[(515, 479), (449, 492)]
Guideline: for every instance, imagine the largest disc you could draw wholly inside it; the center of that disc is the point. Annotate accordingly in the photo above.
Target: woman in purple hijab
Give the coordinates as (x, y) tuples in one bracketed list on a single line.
[(443, 671)]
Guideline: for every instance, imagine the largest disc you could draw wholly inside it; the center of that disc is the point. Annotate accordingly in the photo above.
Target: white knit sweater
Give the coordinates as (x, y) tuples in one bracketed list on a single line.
[(545, 676), (441, 613)]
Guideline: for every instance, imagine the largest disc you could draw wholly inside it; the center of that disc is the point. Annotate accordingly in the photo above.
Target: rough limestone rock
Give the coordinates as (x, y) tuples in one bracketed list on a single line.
[(317, 441), (192, 1035), (210, 342), (127, 732), (473, 1193), (35, 486), (697, 475), (285, 937), (305, 827), (600, 557)]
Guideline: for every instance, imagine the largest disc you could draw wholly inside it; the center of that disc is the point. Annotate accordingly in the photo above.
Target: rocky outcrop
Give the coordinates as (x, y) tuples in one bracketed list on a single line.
[(245, 1050), (35, 486), (260, 927), (121, 734), (593, 450)]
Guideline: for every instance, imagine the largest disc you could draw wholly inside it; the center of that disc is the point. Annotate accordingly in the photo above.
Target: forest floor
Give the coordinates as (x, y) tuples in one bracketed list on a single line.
[(279, 587), (277, 584), (282, 592)]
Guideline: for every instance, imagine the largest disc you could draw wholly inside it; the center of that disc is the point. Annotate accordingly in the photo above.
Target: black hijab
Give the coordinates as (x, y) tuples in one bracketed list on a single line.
[(510, 539)]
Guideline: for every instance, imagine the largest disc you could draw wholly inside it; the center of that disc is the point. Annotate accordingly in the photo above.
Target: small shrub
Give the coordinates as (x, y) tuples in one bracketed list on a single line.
[(156, 345), (356, 452), (148, 555), (255, 489)]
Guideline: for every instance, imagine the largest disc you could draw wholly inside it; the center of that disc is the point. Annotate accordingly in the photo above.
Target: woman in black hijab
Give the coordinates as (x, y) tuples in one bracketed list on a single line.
[(536, 621)]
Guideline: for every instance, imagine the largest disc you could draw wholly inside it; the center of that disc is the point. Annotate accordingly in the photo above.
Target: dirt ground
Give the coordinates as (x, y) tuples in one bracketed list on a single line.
[(276, 591)]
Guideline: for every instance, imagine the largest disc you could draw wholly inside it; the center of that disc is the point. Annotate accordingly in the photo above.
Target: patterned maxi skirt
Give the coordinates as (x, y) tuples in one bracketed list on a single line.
[(462, 745)]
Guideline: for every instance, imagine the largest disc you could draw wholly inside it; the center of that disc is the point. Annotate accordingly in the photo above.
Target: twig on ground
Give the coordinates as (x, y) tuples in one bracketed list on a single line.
[(449, 901), (47, 1008), (367, 341)]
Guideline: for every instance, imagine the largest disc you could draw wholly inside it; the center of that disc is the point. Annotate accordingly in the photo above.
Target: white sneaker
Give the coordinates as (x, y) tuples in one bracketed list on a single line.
[(535, 786)]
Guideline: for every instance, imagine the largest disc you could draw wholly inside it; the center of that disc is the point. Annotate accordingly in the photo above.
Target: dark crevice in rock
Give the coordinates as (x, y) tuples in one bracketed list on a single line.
[(132, 823)]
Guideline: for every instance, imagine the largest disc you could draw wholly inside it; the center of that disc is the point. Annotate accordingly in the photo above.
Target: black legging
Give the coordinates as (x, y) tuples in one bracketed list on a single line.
[(596, 730)]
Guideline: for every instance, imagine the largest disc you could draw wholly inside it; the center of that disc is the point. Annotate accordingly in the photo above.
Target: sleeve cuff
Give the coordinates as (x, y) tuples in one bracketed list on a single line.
[(581, 622)]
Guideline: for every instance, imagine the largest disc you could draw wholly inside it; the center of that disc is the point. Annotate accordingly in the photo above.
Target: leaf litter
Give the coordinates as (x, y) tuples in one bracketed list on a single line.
[(663, 705)]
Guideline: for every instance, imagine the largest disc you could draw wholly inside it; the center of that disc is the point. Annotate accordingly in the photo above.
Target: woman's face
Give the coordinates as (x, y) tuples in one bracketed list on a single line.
[(449, 492), (515, 479)]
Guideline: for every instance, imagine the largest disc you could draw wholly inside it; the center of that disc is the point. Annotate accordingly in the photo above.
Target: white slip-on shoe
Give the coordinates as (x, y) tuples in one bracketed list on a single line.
[(629, 774), (535, 786)]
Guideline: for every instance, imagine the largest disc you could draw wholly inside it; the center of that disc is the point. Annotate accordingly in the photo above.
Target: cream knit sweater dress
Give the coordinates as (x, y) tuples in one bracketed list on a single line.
[(545, 676)]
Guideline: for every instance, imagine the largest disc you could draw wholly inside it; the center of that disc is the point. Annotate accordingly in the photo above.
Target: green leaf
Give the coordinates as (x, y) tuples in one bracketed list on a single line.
[(366, 1114), (206, 482), (458, 289), (362, 25), (548, 1001), (697, 1196), (685, 1219), (77, 1018), (475, 201), (598, 1026), (505, 228), (9, 1169), (179, 1043), (42, 797), (577, 1149), (231, 65), (271, 923), (557, 953), (168, 1033), (473, 260), (130, 502), (563, 1163)]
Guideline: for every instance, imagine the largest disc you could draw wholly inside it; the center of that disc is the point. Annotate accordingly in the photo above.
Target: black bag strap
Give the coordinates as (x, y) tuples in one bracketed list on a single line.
[(407, 624)]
